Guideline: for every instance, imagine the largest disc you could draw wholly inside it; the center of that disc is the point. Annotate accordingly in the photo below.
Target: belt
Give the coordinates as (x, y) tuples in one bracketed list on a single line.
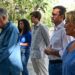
[(55, 61)]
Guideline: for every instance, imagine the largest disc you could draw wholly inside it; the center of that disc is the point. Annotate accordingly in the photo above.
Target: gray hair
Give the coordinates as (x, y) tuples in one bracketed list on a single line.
[(70, 16), (3, 12)]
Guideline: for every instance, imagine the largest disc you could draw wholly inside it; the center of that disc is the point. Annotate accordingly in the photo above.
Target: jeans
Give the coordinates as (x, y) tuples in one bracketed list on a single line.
[(55, 68), (25, 56), (6, 68)]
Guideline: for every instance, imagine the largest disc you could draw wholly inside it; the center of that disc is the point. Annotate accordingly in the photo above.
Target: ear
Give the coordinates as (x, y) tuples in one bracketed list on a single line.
[(4, 17), (62, 16)]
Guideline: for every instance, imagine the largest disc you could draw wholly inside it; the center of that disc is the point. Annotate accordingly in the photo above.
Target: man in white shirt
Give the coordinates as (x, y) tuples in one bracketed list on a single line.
[(58, 41)]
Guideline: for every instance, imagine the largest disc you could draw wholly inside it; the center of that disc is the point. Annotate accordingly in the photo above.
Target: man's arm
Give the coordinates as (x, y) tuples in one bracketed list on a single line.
[(50, 51), (64, 42), (45, 35)]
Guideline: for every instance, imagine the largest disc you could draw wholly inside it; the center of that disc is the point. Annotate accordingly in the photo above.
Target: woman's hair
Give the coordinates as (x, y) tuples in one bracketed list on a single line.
[(70, 16), (26, 25)]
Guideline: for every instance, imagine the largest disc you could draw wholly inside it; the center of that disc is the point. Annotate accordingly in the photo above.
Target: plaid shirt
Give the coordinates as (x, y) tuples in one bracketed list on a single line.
[(40, 40)]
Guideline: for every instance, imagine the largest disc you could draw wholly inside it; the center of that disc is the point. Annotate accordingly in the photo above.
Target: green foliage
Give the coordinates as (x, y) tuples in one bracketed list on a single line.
[(22, 8)]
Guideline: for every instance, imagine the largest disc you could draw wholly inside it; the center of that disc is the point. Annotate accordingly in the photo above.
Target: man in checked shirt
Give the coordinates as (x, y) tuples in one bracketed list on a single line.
[(40, 40)]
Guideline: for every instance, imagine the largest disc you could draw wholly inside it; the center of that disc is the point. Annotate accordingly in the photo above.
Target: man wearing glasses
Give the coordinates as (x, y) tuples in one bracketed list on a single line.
[(58, 41)]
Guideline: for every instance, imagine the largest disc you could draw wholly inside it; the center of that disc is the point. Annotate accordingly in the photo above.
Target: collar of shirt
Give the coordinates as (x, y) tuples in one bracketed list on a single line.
[(59, 26), (35, 26), (6, 26)]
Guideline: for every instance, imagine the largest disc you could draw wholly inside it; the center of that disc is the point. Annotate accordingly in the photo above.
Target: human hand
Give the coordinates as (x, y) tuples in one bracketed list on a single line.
[(47, 51)]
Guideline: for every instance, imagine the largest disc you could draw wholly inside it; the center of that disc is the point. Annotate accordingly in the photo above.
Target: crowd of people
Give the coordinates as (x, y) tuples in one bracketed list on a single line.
[(50, 55)]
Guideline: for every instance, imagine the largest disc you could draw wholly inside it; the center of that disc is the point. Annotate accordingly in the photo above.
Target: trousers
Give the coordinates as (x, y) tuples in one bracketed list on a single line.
[(25, 53), (40, 66), (55, 67)]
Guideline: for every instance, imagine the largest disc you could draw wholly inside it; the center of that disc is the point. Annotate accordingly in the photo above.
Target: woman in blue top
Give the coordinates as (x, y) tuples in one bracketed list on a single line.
[(25, 42), (69, 54)]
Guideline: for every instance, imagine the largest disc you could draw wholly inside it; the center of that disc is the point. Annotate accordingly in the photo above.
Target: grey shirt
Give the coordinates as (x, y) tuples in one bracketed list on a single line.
[(40, 40)]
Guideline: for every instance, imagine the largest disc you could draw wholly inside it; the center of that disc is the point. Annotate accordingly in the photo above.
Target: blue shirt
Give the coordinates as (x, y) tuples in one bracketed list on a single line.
[(26, 38), (8, 38), (68, 62)]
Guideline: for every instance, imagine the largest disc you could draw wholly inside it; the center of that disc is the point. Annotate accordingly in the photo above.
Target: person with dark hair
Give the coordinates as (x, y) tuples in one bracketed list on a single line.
[(25, 42), (62, 10), (36, 14), (40, 40), (10, 55), (58, 41)]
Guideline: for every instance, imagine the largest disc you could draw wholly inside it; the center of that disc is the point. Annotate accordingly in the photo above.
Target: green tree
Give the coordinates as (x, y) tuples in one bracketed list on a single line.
[(21, 9)]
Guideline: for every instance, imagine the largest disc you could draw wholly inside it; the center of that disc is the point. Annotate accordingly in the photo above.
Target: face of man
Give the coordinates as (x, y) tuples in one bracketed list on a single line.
[(56, 17), (34, 20), (3, 21)]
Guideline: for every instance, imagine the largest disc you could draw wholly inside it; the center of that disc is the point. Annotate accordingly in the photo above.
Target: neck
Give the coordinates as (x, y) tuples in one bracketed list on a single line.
[(5, 24), (21, 32), (56, 24), (36, 22)]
